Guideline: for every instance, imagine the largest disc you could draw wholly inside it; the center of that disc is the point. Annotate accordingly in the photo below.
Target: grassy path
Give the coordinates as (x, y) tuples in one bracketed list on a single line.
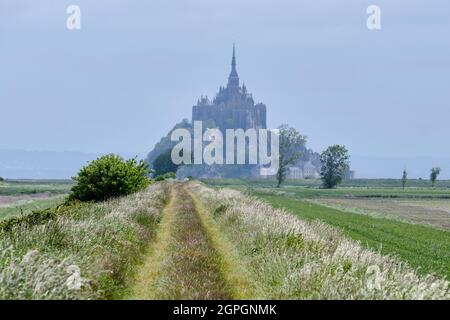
[(241, 283), (188, 260)]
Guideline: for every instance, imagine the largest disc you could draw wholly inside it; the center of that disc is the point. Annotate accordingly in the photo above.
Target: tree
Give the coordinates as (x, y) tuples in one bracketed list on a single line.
[(335, 163), (2, 179), (109, 176), (164, 164), (435, 171), (404, 178), (291, 142)]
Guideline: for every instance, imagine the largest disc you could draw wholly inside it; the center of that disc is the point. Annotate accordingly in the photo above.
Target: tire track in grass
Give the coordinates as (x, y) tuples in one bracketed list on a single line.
[(149, 270), (182, 264), (242, 285)]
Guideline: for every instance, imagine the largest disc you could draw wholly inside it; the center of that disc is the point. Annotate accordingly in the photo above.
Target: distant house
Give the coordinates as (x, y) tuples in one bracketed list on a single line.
[(303, 170), (295, 173), (350, 175)]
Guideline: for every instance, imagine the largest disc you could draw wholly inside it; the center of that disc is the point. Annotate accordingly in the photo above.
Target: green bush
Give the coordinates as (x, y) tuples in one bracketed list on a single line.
[(167, 175), (110, 176), (1, 179)]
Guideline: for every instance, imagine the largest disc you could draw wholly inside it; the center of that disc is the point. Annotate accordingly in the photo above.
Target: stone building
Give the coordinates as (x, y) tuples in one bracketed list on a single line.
[(303, 170), (350, 175), (232, 108)]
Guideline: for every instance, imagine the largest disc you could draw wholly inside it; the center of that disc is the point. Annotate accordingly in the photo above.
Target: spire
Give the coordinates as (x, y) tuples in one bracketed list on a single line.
[(233, 79), (233, 60)]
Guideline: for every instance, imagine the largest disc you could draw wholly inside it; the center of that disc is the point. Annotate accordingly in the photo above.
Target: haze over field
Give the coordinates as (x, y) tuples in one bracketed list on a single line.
[(18, 164), (136, 68)]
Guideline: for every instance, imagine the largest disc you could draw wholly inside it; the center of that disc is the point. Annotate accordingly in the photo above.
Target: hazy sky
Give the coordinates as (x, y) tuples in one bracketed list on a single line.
[(137, 67)]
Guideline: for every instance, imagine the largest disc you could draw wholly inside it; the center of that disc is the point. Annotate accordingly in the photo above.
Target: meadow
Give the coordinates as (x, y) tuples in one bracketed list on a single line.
[(223, 244), (431, 212), (290, 257), (315, 183), (17, 206), (22, 197), (188, 240), (30, 187), (387, 228)]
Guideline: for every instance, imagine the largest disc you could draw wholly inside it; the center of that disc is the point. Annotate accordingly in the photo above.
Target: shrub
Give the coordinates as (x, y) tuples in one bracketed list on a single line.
[(2, 179), (168, 175), (110, 176)]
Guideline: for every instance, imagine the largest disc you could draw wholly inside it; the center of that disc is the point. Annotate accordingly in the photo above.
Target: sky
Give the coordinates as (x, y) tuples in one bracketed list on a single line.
[(136, 68)]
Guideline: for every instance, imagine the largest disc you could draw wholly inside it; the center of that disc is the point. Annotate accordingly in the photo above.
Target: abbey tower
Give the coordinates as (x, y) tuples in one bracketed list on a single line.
[(232, 108)]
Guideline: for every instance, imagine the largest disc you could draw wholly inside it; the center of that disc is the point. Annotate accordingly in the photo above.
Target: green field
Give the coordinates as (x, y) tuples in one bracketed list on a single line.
[(315, 183), (29, 187), (311, 188), (25, 196), (430, 212), (422, 193), (24, 207)]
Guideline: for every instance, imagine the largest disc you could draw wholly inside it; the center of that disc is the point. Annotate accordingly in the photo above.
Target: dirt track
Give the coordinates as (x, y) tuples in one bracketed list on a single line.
[(183, 263)]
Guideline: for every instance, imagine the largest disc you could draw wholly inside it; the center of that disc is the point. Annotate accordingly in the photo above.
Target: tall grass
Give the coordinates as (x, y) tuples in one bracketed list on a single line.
[(85, 251), (296, 259)]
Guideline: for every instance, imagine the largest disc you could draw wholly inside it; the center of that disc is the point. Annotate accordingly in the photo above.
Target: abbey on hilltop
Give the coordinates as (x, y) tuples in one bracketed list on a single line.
[(232, 108)]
